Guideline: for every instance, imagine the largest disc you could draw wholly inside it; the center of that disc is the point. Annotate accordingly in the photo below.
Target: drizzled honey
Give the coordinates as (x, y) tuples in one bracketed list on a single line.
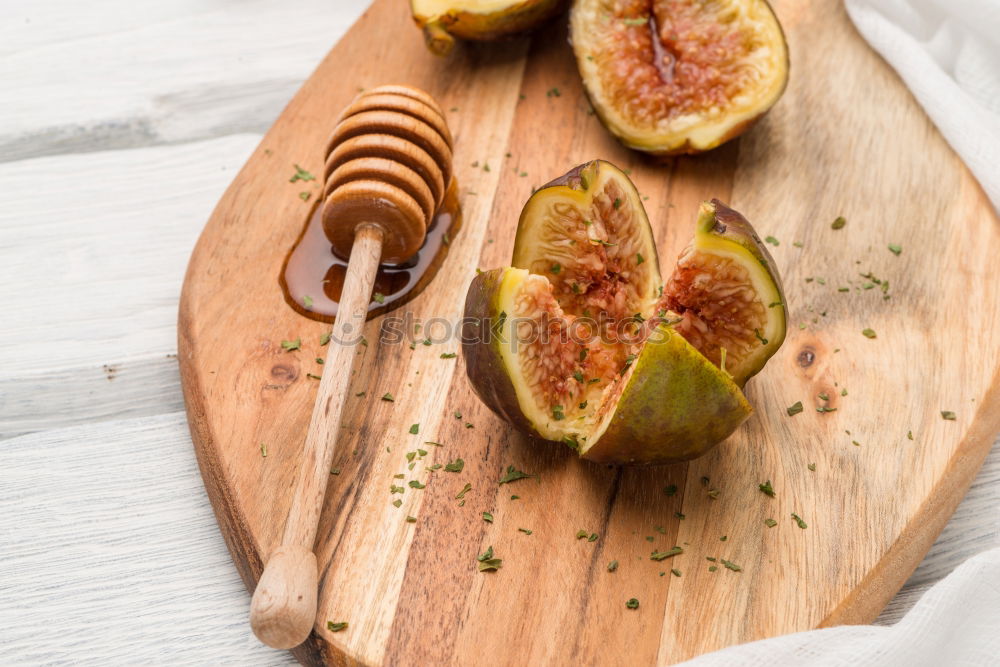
[(313, 275)]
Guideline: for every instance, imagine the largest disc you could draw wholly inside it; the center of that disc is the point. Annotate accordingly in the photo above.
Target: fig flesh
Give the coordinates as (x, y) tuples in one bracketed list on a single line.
[(679, 76), (479, 20)]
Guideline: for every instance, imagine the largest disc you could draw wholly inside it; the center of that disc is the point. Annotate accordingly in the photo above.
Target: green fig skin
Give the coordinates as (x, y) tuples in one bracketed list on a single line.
[(484, 364), (675, 407)]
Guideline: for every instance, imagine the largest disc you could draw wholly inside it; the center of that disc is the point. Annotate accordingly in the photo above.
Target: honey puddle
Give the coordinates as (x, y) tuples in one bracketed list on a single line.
[(313, 276)]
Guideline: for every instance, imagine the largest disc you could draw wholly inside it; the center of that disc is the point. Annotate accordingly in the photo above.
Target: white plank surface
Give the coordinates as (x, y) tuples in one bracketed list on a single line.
[(113, 555), (119, 74), (111, 552)]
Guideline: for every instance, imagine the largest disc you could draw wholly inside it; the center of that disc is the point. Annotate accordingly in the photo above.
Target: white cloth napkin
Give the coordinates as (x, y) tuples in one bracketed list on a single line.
[(948, 53), (956, 622)]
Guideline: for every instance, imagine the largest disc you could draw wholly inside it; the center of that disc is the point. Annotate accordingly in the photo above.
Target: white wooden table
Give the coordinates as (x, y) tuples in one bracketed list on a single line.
[(121, 123)]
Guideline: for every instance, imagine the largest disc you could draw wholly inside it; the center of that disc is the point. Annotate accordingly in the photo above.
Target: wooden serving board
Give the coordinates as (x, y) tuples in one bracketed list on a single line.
[(846, 139)]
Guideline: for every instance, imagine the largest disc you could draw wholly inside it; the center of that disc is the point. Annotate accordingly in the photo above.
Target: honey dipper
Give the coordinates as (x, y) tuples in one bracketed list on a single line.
[(388, 164)]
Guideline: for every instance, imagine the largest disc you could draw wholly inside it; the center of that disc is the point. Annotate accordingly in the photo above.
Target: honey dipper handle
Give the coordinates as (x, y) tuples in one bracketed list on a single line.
[(283, 609)]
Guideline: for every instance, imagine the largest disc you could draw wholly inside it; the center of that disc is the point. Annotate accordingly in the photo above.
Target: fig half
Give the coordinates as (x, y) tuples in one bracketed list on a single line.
[(479, 20), (679, 76)]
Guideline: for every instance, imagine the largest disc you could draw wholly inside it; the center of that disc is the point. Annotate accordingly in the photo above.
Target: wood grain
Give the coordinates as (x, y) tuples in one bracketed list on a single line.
[(411, 591)]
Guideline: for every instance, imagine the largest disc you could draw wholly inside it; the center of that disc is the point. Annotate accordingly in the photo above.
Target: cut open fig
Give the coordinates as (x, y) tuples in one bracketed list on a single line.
[(679, 76), (479, 20), (577, 343), (652, 399)]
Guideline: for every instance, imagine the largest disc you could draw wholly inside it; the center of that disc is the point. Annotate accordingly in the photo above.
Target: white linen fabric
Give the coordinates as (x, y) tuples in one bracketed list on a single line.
[(956, 622), (948, 54)]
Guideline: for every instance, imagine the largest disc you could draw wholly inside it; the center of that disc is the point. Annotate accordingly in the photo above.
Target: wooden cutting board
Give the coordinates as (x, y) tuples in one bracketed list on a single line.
[(846, 139)]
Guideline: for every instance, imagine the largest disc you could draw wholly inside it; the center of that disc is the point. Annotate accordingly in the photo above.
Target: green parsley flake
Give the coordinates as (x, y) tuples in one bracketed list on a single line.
[(465, 489), (263, 449), (397, 502), (324, 339), (513, 475), (763, 341), (670, 489), (628, 362), (731, 565), (290, 345), (336, 627), (773, 241), (487, 517), (553, 92), (592, 538), (307, 302), (675, 572), (557, 413), (525, 531), (612, 566), (414, 429), (662, 555), (639, 259), (455, 466), (838, 223), (581, 534), (388, 397), (378, 297), (632, 603), (812, 467), (311, 376), (636, 21), (770, 523), (411, 519), (802, 524), (868, 333), (414, 484), (949, 415), (794, 409), (487, 562), (449, 355), (555, 268), (895, 249), (301, 175), (766, 488)]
